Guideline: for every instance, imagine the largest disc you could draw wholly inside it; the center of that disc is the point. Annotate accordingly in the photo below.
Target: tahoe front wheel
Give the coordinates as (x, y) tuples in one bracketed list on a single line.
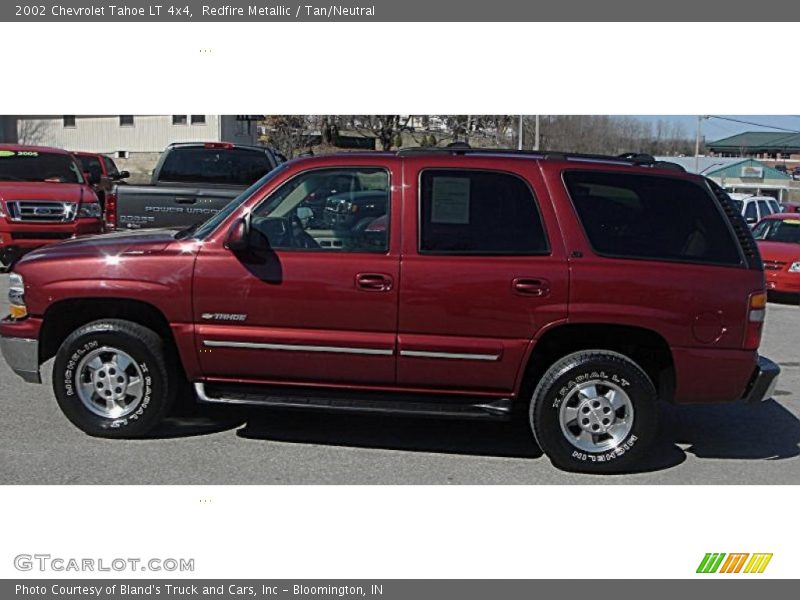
[(594, 411), (111, 379)]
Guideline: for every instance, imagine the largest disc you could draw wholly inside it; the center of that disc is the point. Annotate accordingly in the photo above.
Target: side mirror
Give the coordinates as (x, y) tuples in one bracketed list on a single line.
[(122, 175), (238, 236)]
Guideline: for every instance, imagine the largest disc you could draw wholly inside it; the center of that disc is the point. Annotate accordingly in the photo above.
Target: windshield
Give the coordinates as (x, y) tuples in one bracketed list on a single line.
[(224, 166), (29, 165), (778, 230), (209, 226)]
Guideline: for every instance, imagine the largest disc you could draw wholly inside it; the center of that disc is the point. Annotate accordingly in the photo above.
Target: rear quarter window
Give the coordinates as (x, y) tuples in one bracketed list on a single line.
[(651, 217)]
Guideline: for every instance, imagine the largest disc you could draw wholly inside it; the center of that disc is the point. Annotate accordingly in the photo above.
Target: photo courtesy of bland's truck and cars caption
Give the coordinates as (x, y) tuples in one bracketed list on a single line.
[(485, 268)]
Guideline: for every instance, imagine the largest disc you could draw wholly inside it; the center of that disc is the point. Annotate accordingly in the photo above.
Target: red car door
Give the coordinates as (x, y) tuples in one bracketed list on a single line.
[(320, 305), (483, 270)]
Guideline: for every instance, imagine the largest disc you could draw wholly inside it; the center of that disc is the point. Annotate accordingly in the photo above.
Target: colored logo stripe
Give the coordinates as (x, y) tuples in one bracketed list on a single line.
[(758, 563), (710, 562), (733, 564)]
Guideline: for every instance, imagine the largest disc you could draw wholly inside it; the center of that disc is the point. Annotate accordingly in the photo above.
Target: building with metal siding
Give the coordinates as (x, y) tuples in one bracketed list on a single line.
[(135, 141), (122, 135)]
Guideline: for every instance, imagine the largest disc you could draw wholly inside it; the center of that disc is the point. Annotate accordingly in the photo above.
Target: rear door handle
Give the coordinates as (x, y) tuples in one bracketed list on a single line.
[(530, 286), (374, 282)]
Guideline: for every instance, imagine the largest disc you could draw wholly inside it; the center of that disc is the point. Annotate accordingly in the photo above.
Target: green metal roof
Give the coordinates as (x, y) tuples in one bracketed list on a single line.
[(758, 140), (735, 170)]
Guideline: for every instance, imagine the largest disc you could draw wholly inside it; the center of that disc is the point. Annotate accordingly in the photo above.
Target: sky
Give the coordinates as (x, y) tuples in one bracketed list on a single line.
[(714, 128)]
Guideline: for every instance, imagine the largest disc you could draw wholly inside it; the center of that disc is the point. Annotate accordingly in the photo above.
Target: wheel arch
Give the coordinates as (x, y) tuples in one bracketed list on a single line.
[(65, 316), (644, 346)]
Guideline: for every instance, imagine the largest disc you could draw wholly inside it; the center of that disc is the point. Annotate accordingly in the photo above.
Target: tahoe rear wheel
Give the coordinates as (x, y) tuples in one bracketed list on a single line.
[(594, 411), (111, 379)]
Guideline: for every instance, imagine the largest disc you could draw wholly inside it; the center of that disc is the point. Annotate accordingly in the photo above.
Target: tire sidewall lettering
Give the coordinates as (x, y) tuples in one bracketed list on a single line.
[(69, 370), (606, 456)]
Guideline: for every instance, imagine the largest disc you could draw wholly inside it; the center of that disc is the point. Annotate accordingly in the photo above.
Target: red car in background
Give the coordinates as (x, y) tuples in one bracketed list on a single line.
[(97, 166), (44, 197), (100, 171), (778, 238), (790, 207)]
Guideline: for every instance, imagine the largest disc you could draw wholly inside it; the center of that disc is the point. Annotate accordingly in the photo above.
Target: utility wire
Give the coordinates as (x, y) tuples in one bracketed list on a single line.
[(753, 123)]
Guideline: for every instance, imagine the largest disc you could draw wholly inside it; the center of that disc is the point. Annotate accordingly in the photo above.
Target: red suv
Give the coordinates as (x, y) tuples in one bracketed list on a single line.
[(575, 291), (43, 197)]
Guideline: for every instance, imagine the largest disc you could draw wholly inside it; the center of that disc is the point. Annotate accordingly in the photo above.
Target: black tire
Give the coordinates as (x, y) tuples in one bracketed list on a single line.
[(558, 387), (146, 348)]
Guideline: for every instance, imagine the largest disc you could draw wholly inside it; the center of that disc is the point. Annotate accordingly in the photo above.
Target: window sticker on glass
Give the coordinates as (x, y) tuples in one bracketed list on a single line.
[(11, 153), (450, 200)]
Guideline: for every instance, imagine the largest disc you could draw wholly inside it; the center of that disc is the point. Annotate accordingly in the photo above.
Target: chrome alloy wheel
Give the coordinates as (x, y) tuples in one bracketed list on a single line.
[(109, 383), (596, 416)]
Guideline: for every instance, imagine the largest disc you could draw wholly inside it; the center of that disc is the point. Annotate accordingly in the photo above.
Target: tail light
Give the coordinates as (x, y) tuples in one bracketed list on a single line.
[(756, 311), (219, 145), (111, 211)]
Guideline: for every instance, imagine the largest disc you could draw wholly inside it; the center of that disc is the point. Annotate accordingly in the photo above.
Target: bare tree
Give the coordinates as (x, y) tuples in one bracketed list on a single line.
[(385, 128), (289, 134)]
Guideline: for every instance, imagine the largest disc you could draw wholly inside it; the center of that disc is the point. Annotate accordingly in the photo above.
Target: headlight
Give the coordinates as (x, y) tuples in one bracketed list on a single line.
[(90, 210), (795, 268), (16, 296)]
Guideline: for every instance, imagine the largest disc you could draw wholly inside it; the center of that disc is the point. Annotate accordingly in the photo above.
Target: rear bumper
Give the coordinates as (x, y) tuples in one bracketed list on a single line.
[(22, 355), (763, 382)]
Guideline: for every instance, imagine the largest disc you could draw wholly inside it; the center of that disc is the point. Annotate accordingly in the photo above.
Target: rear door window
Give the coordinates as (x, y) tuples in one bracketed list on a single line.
[(475, 212), (651, 217)]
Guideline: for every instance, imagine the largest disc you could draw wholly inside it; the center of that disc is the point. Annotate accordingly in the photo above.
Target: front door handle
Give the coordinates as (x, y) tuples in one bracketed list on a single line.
[(530, 286), (374, 282)]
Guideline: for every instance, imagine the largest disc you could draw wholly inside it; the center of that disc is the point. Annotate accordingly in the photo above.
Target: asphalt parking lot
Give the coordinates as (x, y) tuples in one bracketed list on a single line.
[(733, 444)]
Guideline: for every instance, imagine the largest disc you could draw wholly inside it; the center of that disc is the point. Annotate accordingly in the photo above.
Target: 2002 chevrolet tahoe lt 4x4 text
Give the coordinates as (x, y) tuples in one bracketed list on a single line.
[(575, 290)]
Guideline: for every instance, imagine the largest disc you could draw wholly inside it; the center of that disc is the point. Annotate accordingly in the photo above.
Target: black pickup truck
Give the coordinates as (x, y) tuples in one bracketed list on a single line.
[(191, 182)]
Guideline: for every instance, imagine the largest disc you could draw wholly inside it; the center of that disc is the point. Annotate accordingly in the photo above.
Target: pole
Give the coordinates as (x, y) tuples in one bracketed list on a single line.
[(536, 133), (519, 135), (697, 145)]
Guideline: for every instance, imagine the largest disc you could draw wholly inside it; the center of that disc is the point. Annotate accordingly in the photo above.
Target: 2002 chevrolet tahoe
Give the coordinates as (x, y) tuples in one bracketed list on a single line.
[(576, 291)]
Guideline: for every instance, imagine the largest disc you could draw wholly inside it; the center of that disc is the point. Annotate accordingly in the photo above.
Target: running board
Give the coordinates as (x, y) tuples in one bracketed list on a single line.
[(356, 401)]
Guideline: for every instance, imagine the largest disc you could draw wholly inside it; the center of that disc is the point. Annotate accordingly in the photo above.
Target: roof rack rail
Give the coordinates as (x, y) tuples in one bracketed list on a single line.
[(462, 148)]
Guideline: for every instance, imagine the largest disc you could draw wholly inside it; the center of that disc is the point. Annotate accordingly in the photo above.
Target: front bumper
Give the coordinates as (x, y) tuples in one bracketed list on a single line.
[(22, 355), (782, 282), (763, 382)]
